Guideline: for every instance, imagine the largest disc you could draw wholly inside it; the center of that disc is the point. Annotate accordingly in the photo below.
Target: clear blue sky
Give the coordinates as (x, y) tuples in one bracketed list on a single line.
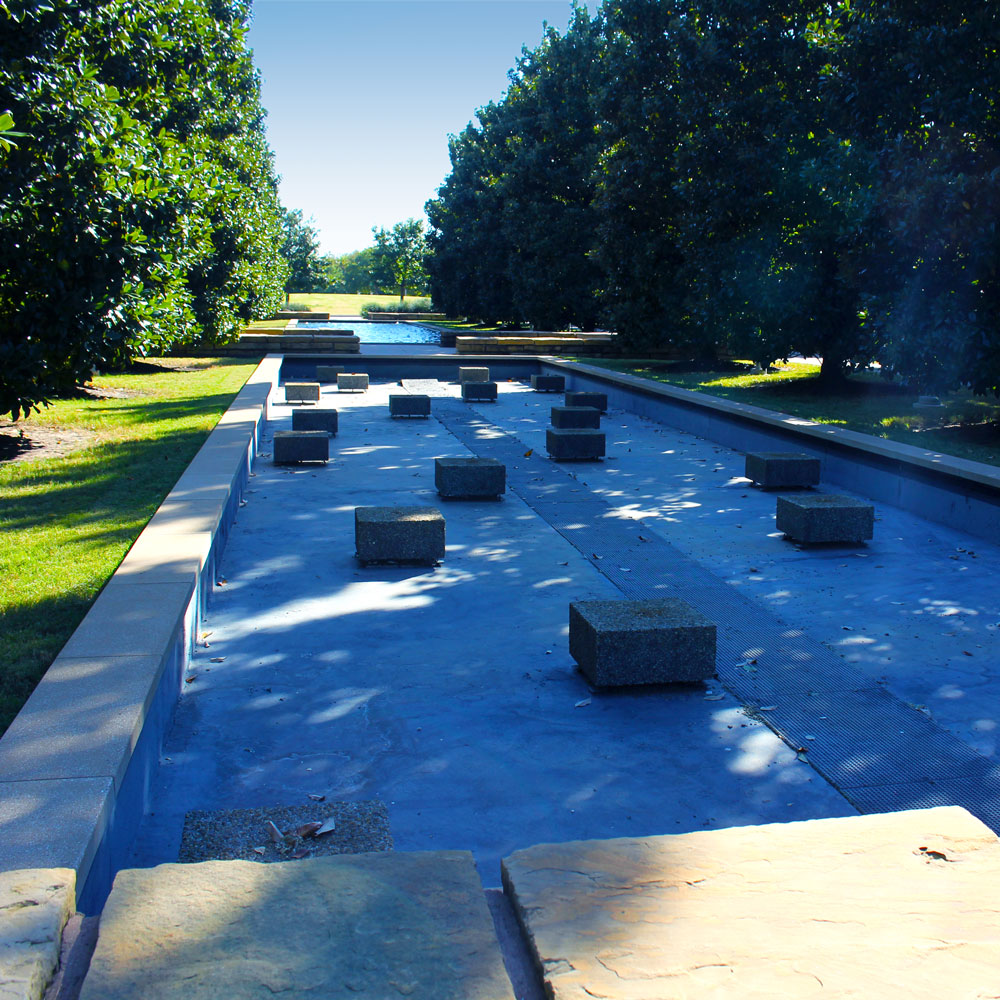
[(362, 94)]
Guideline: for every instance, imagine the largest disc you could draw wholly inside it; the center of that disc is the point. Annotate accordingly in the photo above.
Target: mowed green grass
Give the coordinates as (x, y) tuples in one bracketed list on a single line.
[(967, 427), (68, 521)]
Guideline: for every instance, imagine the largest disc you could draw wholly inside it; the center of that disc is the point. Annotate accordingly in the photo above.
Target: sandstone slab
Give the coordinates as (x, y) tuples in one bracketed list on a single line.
[(365, 925), (34, 907), (882, 906)]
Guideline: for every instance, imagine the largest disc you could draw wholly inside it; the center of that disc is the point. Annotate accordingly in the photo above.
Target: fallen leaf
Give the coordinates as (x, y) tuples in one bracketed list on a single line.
[(308, 829), (847, 628), (582, 704), (300, 853), (768, 708), (966, 652), (714, 697), (529, 453), (188, 680), (317, 798), (273, 832), (260, 850), (218, 659), (327, 827)]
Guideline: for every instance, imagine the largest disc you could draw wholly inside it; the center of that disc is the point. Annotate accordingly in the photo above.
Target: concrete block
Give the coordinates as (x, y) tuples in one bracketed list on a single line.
[(899, 904), (548, 383), (399, 534), (470, 477), (781, 469), (315, 420), (329, 373), (599, 400), (473, 375), (574, 443), (34, 907), (302, 392), (481, 391), (641, 642), (409, 405), (300, 446), (825, 517), (366, 925), (353, 381), (576, 416)]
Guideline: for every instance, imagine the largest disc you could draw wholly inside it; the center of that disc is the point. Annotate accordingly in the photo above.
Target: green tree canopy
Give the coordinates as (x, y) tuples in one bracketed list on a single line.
[(400, 255), (300, 248)]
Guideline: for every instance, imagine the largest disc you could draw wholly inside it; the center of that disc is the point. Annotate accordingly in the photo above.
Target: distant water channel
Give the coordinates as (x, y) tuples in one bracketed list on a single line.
[(376, 333)]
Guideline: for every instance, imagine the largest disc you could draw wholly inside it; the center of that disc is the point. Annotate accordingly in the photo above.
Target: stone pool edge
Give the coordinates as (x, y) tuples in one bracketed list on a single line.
[(76, 763)]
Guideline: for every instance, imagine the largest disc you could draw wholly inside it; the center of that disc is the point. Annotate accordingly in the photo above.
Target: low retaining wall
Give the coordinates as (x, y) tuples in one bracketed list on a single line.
[(77, 762)]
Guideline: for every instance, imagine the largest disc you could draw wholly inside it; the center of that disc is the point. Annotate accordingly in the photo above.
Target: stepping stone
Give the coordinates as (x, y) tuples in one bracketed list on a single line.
[(302, 392), (34, 907), (896, 905), (565, 444), (473, 375), (365, 925), (781, 469), (353, 381), (399, 535), (409, 405), (548, 383), (825, 517), (329, 373), (300, 446), (470, 478), (641, 642), (482, 391), (599, 400), (315, 420), (576, 416)]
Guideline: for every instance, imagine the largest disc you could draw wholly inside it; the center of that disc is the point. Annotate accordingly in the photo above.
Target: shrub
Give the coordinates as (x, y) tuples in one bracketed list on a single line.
[(406, 306)]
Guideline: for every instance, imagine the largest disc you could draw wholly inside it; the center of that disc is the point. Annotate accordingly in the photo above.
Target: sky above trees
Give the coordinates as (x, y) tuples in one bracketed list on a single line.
[(362, 94)]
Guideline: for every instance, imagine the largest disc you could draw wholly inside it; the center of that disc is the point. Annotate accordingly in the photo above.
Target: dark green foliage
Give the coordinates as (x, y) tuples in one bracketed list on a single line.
[(352, 273), (140, 209), (400, 256)]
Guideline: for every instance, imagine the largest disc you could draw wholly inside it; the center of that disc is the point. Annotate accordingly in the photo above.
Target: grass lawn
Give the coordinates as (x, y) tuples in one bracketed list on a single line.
[(69, 519), (967, 427)]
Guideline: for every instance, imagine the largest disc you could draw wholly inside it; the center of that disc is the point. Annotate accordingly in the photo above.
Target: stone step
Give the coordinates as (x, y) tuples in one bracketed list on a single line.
[(372, 925), (887, 905)]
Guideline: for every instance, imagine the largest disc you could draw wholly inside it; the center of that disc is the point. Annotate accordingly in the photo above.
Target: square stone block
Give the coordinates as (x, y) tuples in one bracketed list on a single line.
[(300, 446), (315, 420), (473, 375), (576, 416), (302, 392), (329, 373), (548, 383), (409, 405), (470, 477), (354, 381), (641, 642), (399, 534), (479, 391), (825, 517), (782, 469), (574, 443), (599, 400)]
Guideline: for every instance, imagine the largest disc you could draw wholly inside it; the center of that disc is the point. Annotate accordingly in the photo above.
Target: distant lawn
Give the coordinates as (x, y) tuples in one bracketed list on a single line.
[(68, 521), (341, 305), (967, 427)]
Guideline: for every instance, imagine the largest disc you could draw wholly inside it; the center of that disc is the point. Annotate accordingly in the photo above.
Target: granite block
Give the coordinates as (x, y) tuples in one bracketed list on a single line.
[(825, 517), (576, 417), (473, 375), (399, 534), (641, 642), (329, 373), (409, 405), (352, 381), (302, 392), (315, 420), (483, 391), (470, 477), (300, 446), (599, 400), (548, 383), (574, 443), (782, 469)]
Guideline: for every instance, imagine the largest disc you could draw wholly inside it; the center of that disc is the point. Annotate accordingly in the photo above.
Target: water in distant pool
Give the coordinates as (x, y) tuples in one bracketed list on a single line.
[(377, 333)]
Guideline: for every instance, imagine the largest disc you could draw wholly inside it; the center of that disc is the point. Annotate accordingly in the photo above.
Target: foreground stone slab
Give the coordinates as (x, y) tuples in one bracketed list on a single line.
[(599, 400), (781, 469), (825, 517), (641, 642), (352, 381), (399, 535), (329, 373), (34, 907), (409, 405), (470, 478), (302, 392), (564, 444), (484, 391), (576, 416), (896, 905), (365, 925), (315, 420), (300, 446), (473, 375), (548, 383)]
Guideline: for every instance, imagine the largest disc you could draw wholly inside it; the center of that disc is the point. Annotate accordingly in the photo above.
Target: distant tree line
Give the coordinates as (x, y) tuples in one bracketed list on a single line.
[(743, 174)]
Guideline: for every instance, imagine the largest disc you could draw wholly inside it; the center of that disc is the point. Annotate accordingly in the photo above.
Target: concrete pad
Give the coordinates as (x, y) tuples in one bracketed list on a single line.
[(900, 904), (377, 925), (34, 907)]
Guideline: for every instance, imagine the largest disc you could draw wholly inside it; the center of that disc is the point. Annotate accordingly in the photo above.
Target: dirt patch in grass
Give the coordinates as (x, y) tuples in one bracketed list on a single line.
[(41, 442)]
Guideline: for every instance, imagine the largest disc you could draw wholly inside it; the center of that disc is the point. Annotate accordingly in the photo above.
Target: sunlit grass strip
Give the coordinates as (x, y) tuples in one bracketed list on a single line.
[(68, 522)]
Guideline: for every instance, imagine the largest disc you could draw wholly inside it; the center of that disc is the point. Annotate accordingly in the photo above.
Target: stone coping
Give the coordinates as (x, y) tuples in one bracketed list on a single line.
[(76, 761)]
